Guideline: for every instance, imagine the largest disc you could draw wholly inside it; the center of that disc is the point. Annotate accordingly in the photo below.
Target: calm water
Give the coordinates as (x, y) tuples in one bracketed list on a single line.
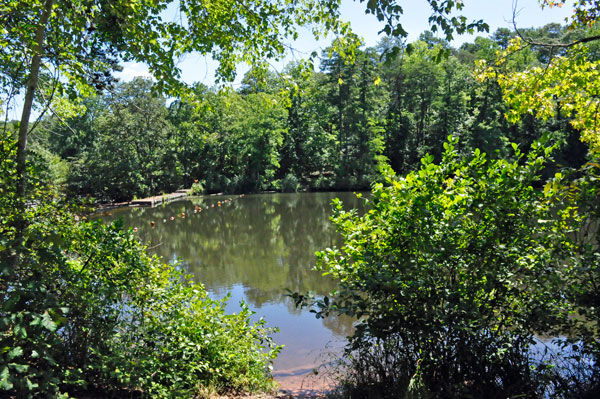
[(255, 247)]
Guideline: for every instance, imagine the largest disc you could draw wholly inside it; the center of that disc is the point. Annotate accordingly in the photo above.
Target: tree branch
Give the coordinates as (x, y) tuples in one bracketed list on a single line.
[(548, 45)]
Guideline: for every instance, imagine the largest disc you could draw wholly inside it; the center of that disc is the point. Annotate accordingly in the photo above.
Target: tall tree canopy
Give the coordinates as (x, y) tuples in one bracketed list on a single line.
[(566, 82), (83, 40)]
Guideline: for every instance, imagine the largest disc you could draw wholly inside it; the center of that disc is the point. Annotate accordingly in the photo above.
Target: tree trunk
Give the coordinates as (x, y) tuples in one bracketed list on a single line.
[(32, 82)]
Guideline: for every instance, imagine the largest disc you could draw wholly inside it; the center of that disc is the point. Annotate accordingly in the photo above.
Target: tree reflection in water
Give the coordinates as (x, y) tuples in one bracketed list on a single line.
[(254, 247)]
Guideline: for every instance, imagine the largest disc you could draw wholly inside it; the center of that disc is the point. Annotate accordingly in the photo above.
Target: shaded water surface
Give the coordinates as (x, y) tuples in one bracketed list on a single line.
[(255, 247)]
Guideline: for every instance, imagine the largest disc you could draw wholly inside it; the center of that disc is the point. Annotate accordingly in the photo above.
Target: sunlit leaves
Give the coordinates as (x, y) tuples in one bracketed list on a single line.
[(569, 86), (84, 38)]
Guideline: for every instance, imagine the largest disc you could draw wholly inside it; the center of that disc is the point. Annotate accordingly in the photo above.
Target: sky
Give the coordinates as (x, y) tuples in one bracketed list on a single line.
[(496, 13)]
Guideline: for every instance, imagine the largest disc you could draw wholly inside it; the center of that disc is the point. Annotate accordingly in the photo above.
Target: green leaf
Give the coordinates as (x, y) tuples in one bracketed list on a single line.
[(30, 385), (15, 352), (5, 383), (48, 323), (20, 368)]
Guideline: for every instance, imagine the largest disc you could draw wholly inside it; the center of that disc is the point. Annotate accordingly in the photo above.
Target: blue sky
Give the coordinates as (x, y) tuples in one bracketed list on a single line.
[(497, 13)]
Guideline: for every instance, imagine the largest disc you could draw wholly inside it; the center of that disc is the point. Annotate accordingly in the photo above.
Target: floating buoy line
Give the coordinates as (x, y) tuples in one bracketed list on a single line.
[(197, 209)]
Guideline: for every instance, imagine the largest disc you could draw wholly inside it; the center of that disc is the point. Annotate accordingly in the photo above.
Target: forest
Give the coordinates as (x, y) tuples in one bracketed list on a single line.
[(474, 273), (298, 128)]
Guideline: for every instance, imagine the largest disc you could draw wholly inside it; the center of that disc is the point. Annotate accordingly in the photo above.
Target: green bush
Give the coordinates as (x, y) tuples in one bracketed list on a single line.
[(324, 183), (91, 310), (455, 271), (217, 184), (84, 309), (198, 188)]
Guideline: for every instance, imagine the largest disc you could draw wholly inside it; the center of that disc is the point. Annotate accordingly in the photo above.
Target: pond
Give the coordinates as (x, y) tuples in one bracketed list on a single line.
[(255, 247)]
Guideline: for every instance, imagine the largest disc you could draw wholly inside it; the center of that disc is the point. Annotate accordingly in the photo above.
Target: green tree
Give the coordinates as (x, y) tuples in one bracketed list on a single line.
[(259, 80), (138, 123), (354, 100), (253, 129), (230, 141), (488, 129), (415, 82), (122, 146), (308, 150), (198, 121)]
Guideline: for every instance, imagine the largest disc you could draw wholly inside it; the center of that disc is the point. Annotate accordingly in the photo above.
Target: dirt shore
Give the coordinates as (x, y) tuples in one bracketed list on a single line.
[(306, 386)]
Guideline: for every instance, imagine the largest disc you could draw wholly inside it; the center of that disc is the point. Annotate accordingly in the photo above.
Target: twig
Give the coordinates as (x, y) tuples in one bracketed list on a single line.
[(548, 45), (155, 246), (47, 107)]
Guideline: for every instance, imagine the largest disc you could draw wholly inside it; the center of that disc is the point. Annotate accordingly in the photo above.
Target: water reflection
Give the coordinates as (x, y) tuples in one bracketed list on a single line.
[(254, 247)]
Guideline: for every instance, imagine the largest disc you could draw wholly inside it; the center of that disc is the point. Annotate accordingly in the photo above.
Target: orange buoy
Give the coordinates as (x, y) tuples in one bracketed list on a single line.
[(182, 214)]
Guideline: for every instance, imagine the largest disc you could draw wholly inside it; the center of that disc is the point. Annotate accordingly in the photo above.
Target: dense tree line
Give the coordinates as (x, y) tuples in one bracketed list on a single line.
[(326, 130)]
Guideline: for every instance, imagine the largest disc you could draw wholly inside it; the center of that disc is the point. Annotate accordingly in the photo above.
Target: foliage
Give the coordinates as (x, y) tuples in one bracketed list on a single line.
[(561, 87), (354, 108), (132, 152), (455, 271), (331, 129), (85, 309), (442, 18), (290, 184), (567, 80), (197, 188), (84, 40)]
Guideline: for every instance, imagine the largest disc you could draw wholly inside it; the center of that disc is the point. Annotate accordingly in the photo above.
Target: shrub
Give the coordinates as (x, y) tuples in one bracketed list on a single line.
[(324, 183), (197, 188), (95, 312), (290, 184), (217, 184), (83, 308), (454, 271)]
